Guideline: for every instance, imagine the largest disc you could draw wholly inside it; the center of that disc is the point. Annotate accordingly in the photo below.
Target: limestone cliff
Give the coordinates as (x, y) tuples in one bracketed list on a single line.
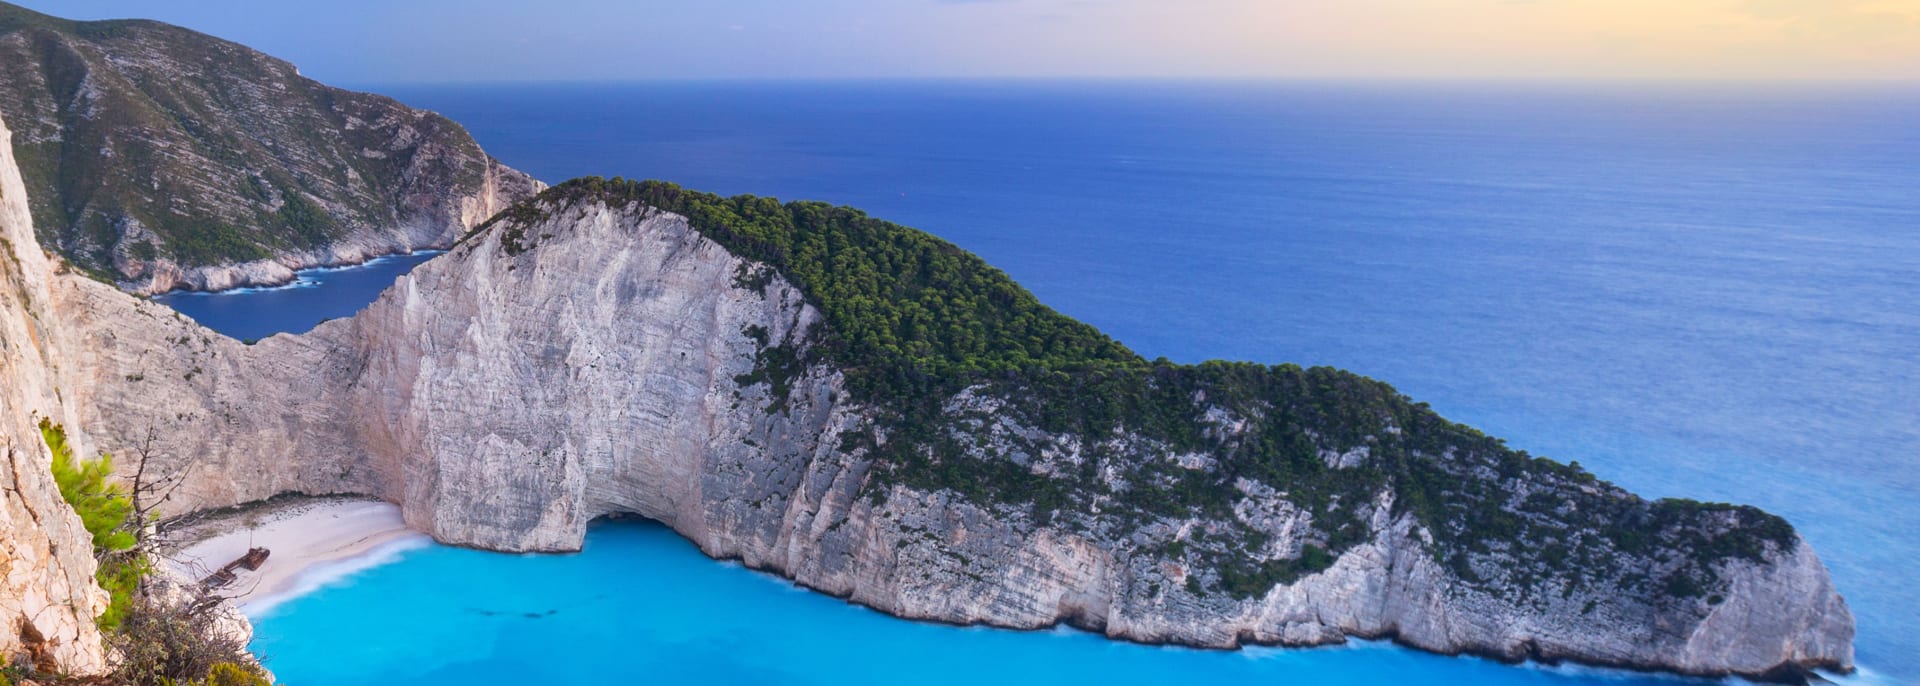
[(162, 158), (48, 598), (588, 354)]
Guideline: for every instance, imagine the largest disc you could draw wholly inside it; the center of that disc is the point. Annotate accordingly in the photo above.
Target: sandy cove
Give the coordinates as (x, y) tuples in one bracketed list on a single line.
[(311, 541)]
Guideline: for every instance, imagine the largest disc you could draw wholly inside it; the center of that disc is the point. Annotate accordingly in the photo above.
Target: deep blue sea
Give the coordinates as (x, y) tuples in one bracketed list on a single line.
[(1710, 291), (315, 295)]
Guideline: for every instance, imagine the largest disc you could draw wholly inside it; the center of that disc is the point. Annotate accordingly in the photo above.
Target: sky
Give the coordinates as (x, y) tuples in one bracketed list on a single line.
[(409, 41)]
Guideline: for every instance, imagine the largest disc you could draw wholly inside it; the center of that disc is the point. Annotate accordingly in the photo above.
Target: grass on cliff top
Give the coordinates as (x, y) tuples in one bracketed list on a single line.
[(912, 320)]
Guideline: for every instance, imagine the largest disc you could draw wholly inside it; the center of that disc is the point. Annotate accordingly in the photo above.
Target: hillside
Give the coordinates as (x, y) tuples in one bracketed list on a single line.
[(976, 386), (856, 405), (910, 318), (882, 416), (161, 158)]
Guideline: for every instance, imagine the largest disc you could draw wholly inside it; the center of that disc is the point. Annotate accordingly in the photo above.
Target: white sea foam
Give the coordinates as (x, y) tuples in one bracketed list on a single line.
[(1861, 677), (296, 283), (325, 574)]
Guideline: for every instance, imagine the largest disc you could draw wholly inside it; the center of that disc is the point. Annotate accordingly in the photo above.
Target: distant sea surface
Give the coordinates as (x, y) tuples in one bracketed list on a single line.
[(1708, 291)]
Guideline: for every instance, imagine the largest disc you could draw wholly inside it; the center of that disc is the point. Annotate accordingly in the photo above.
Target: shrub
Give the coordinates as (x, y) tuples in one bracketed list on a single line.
[(106, 511), (178, 642), (230, 674)]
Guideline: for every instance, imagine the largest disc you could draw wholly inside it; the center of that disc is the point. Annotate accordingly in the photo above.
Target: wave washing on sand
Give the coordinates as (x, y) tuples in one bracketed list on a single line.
[(311, 543), (323, 574)]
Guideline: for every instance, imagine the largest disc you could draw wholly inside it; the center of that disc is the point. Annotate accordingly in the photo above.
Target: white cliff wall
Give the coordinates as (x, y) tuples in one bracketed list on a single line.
[(545, 374), (48, 598)]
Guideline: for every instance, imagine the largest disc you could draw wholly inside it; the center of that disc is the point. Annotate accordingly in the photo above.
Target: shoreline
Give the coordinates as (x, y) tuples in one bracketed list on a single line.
[(296, 277), (312, 541), (317, 540), (1782, 674)]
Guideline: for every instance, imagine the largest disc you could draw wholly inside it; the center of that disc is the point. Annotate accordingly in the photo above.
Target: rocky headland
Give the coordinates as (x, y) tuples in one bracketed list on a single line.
[(160, 158), (613, 347), (858, 406)]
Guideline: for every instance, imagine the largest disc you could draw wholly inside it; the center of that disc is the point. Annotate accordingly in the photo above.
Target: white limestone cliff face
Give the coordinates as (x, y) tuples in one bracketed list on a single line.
[(509, 393), (48, 598)]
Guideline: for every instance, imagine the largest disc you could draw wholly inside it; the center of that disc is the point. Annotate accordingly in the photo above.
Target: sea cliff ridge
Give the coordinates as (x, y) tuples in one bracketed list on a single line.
[(879, 415), (162, 158)]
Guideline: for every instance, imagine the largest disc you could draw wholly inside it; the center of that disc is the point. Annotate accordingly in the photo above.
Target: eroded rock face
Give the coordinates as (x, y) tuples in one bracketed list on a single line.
[(164, 158), (590, 358), (48, 598), (600, 360)]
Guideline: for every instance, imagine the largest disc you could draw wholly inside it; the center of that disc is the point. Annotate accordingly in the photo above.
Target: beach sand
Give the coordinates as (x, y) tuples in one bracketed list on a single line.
[(312, 541)]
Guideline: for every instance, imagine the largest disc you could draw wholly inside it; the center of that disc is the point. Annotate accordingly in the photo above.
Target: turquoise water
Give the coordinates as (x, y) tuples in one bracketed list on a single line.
[(1702, 291), (642, 606)]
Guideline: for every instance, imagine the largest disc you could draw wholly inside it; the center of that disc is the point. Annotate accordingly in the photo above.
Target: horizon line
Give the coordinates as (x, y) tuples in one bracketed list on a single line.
[(1275, 80)]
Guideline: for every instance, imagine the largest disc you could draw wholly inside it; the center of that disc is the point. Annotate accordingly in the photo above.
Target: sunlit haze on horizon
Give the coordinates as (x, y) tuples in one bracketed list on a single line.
[(571, 40)]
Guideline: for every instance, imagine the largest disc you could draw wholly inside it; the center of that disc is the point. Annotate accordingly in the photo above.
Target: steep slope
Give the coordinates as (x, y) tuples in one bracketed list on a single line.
[(48, 598), (162, 158), (881, 416)]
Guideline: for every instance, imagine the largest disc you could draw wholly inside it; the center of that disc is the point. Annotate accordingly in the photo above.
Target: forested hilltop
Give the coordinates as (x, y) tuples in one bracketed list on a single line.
[(879, 415), (981, 389), (159, 157)]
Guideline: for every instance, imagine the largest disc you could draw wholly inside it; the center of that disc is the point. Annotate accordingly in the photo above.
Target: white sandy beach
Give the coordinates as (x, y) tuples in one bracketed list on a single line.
[(311, 542)]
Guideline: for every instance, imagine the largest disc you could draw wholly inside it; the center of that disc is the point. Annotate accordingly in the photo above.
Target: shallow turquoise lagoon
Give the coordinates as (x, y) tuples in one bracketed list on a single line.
[(642, 605)]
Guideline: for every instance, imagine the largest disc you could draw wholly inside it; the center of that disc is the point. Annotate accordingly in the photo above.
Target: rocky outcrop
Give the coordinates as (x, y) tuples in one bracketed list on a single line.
[(591, 358), (162, 158), (585, 358), (48, 598), (586, 354)]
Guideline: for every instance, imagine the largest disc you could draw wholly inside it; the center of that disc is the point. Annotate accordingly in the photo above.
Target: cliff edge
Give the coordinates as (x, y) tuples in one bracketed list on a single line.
[(161, 158), (881, 416), (48, 598)]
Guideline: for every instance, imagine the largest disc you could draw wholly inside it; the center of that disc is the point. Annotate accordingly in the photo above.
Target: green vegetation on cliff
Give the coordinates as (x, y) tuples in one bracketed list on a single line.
[(173, 638), (983, 391), (107, 512), (907, 311)]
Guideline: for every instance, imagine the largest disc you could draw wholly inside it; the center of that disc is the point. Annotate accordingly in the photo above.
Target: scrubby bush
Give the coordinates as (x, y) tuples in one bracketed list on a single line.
[(160, 634), (231, 674), (179, 641), (107, 512)]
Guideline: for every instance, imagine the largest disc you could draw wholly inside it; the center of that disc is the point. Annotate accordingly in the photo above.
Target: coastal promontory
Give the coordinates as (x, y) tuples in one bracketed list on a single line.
[(858, 406), (880, 415), (159, 158)]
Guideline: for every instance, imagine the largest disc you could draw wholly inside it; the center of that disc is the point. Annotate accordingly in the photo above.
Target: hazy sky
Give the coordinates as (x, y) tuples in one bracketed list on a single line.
[(369, 41)]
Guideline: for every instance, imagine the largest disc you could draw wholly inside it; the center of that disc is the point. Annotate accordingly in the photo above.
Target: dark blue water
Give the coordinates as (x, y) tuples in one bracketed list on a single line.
[(1697, 290), (315, 296)]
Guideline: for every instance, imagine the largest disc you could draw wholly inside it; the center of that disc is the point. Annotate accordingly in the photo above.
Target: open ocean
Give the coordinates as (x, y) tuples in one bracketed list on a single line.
[(1699, 290)]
